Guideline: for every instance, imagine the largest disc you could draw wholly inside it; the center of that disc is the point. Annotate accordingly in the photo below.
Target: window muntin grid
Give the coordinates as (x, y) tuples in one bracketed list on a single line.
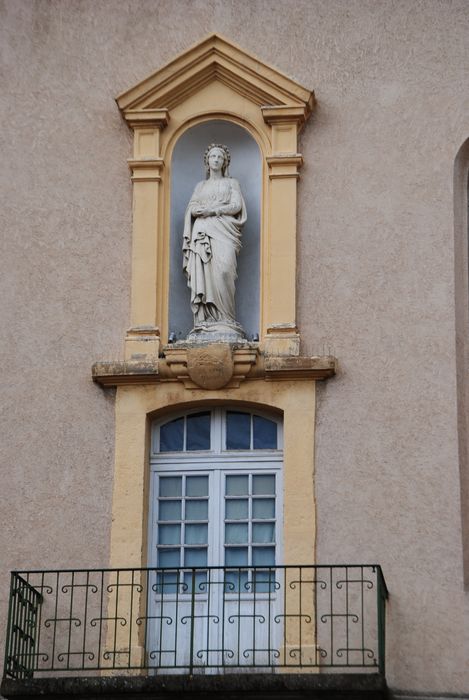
[(174, 505), (191, 432), (250, 529), (249, 431), (197, 432), (182, 526)]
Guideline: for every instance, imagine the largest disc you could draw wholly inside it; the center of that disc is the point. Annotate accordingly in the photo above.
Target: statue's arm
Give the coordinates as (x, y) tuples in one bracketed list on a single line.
[(235, 204), (195, 203), (191, 209)]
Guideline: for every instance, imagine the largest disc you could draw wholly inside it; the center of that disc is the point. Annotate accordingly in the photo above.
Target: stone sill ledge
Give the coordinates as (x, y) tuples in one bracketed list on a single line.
[(238, 365), (335, 686)]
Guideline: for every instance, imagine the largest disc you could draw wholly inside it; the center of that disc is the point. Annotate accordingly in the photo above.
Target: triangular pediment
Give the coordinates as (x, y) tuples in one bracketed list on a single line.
[(215, 59)]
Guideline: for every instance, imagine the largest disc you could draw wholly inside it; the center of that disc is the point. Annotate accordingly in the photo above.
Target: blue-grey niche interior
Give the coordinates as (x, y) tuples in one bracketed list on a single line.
[(187, 169)]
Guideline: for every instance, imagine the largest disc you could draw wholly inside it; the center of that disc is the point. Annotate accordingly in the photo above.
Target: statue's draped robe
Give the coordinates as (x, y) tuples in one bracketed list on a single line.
[(210, 248)]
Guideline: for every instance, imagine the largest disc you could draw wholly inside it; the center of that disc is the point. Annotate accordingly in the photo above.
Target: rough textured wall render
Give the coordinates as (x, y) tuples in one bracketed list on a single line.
[(375, 280)]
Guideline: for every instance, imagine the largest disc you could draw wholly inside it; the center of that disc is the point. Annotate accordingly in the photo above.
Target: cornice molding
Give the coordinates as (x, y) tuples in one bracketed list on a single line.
[(215, 58), (285, 114), (247, 364), (145, 163), (138, 118)]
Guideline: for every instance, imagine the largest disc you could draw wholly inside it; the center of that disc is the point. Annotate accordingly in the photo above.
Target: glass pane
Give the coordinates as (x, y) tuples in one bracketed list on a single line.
[(200, 582), (263, 556), (195, 557), (169, 510), (236, 534), (263, 508), (263, 532), (196, 510), (237, 485), (238, 431), (169, 534), (197, 486), (198, 431), (236, 556), (172, 436), (168, 558), (235, 581), (264, 434), (264, 581), (196, 534), (263, 485), (170, 486), (167, 582), (237, 509)]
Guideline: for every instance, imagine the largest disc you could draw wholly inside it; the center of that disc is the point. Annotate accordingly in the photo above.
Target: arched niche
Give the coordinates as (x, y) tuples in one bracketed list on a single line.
[(187, 168), (214, 82)]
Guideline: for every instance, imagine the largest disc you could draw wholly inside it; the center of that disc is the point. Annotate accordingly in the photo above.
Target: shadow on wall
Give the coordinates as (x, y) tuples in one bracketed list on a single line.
[(461, 289)]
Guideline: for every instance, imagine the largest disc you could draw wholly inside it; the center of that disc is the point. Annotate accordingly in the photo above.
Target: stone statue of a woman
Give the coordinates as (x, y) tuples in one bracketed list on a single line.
[(212, 238)]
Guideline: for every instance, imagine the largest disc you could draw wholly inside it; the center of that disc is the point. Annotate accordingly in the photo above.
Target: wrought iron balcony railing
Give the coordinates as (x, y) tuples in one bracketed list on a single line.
[(199, 620)]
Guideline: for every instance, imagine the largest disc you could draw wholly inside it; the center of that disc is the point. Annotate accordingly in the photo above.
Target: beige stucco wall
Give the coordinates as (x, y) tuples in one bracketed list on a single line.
[(375, 280)]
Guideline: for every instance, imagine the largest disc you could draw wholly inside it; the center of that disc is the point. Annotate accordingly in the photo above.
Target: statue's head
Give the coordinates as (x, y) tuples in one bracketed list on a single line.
[(224, 152)]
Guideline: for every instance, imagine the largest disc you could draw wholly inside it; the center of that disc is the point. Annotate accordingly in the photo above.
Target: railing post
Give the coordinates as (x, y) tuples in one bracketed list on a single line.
[(382, 595), (21, 627), (191, 657), (9, 627)]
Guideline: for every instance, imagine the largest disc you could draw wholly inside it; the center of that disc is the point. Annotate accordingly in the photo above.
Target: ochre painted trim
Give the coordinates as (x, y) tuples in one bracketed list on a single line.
[(214, 80), (215, 54), (173, 367), (136, 406)]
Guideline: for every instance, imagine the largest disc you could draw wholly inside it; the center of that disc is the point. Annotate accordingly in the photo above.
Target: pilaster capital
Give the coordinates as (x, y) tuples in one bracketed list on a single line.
[(146, 169), (142, 343), (284, 166), (146, 118), (288, 114)]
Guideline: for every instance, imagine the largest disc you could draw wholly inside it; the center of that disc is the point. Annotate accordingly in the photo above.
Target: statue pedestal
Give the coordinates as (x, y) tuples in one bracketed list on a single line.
[(217, 332)]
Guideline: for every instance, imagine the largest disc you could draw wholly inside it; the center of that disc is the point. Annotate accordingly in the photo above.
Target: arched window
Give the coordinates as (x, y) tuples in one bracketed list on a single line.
[(216, 490), (215, 536)]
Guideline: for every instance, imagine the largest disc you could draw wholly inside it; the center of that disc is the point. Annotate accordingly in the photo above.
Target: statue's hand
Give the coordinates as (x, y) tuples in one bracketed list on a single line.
[(201, 211), (204, 212)]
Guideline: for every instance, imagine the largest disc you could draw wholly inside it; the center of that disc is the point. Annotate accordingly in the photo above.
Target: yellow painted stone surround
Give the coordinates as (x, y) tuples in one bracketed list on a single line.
[(137, 406), (213, 80)]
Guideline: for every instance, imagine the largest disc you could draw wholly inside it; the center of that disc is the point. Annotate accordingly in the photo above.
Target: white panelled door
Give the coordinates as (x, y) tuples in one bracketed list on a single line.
[(215, 539)]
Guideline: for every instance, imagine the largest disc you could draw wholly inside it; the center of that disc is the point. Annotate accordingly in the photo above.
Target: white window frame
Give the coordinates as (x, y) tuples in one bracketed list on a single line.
[(219, 460)]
